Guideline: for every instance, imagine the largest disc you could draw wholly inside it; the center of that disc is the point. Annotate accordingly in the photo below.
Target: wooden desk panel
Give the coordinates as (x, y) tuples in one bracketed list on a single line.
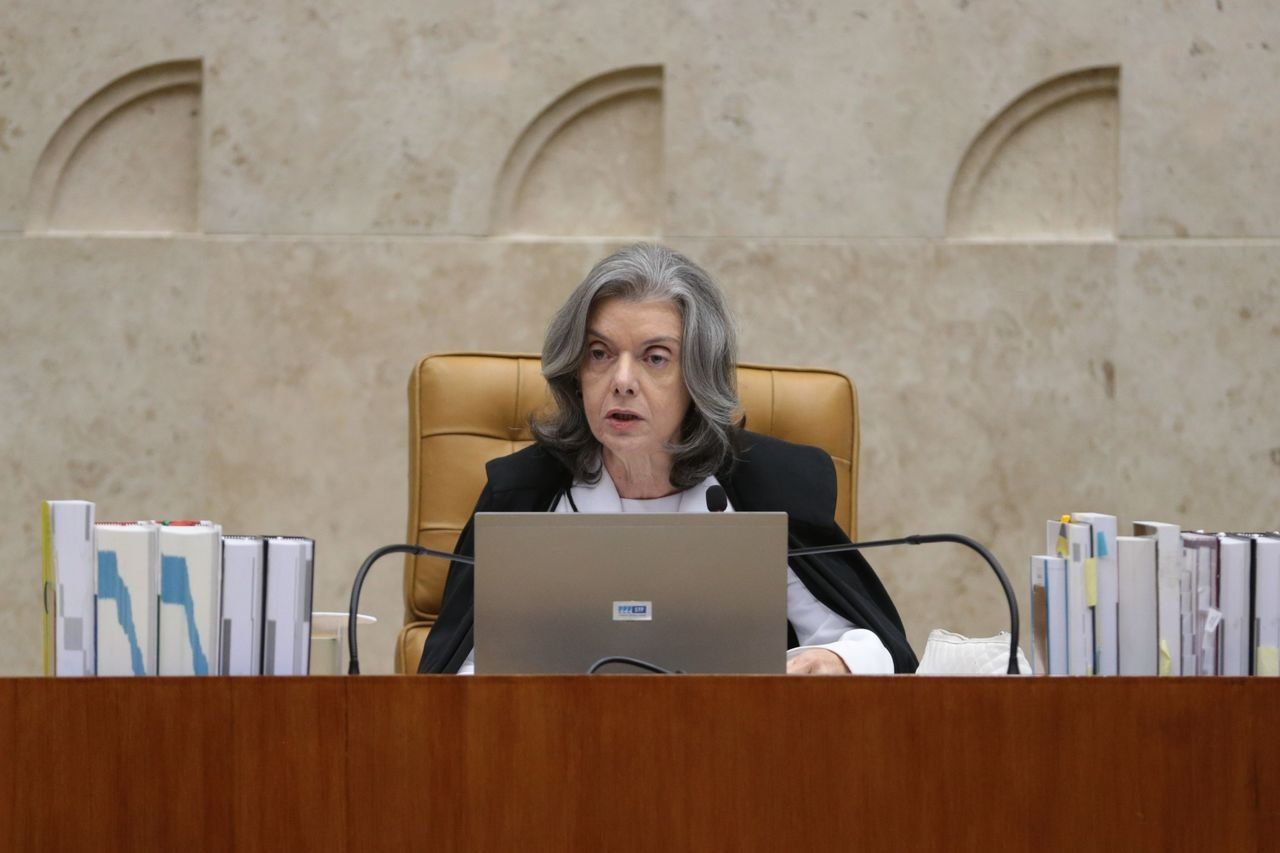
[(639, 763), (289, 739), (142, 766), (8, 757)]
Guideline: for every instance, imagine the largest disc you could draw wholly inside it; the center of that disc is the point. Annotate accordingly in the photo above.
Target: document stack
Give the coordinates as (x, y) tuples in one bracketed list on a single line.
[(1160, 602), (142, 598)]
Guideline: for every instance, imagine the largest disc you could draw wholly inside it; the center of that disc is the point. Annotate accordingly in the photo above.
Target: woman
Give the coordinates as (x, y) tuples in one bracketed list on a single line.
[(641, 362)]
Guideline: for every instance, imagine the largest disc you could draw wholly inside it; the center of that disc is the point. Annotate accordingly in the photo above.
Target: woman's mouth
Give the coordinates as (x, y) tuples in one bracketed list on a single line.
[(621, 419)]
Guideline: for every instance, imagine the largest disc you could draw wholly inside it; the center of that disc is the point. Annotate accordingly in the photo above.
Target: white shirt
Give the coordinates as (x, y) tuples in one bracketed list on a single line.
[(816, 625)]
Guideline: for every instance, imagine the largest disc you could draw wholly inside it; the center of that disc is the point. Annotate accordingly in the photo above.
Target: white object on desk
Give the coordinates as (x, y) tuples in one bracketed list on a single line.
[(329, 641)]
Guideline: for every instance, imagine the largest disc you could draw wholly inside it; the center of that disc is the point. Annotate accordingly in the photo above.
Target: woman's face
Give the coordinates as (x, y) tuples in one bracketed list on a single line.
[(633, 390)]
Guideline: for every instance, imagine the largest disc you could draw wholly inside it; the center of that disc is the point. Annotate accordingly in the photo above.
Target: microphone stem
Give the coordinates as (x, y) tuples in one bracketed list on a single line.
[(920, 539), (353, 668)]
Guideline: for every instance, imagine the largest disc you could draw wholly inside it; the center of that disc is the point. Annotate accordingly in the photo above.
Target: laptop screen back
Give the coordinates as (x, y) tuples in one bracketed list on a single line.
[(695, 592)]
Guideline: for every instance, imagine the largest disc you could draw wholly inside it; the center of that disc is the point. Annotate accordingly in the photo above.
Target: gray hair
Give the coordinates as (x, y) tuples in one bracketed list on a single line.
[(708, 362)]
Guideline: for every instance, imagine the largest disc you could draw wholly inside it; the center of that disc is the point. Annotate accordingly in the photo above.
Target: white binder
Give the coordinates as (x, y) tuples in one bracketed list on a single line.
[(1139, 649), (243, 578), (190, 598), (70, 565), (128, 598), (287, 633)]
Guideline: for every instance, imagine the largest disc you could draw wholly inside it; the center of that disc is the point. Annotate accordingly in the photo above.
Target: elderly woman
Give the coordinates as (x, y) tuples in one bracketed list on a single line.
[(641, 361)]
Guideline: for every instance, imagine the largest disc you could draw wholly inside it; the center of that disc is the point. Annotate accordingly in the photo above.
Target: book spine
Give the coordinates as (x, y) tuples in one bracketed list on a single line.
[(1039, 616), (1266, 597), (1139, 654), (1187, 611), (1233, 597), (47, 591)]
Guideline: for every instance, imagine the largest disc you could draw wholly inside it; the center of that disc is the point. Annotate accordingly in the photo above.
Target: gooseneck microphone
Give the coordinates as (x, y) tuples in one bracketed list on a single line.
[(353, 668), (717, 500), (926, 538)]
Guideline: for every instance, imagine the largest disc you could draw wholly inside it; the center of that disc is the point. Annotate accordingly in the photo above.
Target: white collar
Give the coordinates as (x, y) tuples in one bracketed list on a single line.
[(602, 496)]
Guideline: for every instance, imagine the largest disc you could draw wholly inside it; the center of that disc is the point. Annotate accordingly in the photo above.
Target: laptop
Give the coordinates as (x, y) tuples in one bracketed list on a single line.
[(693, 592)]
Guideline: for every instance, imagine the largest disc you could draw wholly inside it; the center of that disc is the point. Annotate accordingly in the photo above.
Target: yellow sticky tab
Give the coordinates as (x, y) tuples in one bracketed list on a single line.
[(1091, 582), (1166, 659), (1268, 659)]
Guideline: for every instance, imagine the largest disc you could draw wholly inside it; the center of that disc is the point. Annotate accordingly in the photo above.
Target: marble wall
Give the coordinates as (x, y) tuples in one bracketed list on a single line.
[(1041, 237)]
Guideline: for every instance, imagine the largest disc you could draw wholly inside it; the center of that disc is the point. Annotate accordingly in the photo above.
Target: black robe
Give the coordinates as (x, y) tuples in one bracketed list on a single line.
[(768, 475)]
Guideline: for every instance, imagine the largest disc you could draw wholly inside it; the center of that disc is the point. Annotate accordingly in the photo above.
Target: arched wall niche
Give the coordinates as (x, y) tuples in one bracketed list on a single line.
[(588, 164), (1046, 167), (127, 159)]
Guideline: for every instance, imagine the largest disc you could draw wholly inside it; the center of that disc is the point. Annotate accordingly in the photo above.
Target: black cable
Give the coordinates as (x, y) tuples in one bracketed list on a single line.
[(353, 668), (636, 662), (922, 539)]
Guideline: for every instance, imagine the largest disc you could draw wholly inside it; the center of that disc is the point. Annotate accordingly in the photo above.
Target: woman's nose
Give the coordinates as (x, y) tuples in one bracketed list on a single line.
[(624, 376)]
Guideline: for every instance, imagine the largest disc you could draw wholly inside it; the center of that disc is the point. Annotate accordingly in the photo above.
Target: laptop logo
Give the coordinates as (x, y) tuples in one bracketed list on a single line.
[(633, 611)]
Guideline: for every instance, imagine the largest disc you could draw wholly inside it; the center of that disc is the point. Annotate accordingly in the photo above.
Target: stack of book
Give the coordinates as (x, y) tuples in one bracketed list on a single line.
[(172, 597), (1160, 602)]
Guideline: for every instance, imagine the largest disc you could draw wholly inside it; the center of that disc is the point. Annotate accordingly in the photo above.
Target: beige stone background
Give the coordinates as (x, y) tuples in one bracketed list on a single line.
[(1042, 237)]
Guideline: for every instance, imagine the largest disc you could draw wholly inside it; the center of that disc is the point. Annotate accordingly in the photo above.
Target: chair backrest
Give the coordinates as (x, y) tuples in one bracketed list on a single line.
[(468, 408)]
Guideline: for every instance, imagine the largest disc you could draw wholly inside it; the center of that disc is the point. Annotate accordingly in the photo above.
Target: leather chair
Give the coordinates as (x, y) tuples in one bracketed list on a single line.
[(465, 409)]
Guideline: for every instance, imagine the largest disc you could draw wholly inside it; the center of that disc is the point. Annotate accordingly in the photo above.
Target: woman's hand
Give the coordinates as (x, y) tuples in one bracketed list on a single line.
[(817, 662)]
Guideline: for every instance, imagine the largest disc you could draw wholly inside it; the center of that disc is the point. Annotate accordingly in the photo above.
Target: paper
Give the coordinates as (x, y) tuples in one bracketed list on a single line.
[(1166, 660), (1091, 582)]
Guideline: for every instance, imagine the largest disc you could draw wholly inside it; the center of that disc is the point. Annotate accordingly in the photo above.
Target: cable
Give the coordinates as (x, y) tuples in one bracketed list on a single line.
[(353, 668), (636, 662)]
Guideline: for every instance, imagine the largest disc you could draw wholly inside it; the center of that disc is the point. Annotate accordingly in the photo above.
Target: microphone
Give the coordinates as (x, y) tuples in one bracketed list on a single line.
[(353, 668), (927, 538), (717, 500)]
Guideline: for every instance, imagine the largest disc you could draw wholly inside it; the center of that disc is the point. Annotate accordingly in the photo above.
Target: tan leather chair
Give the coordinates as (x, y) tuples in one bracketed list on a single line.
[(465, 409)]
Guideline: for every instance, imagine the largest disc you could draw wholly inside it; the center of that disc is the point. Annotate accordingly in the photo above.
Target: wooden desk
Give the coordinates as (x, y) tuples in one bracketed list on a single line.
[(637, 763)]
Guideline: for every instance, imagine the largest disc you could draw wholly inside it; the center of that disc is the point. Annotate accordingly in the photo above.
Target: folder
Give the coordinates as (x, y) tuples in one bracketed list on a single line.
[(287, 633), (1234, 558), (1071, 541), (1266, 606), (128, 598), (1139, 650), (1049, 615), (244, 561), (68, 567), (1168, 591), (1102, 538), (190, 598)]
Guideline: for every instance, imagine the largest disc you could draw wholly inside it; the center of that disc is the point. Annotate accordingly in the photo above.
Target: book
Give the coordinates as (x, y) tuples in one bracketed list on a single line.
[(128, 597), (190, 597), (1168, 539), (1266, 605), (1136, 566), (68, 567), (1234, 564), (286, 641), (1048, 615), (1071, 541), (1102, 538), (1202, 550), (243, 580)]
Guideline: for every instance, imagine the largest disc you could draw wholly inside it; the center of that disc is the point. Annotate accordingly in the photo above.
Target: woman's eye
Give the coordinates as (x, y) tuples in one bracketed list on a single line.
[(596, 354), (657, 359)]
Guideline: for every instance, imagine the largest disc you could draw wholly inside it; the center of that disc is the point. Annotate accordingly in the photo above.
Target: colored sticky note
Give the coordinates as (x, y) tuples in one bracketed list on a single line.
[(1268, 659), (1091, 582), (1166, 660)]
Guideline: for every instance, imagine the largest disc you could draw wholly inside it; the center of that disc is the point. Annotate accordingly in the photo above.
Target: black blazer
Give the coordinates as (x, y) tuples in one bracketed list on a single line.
[(768, 475)]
